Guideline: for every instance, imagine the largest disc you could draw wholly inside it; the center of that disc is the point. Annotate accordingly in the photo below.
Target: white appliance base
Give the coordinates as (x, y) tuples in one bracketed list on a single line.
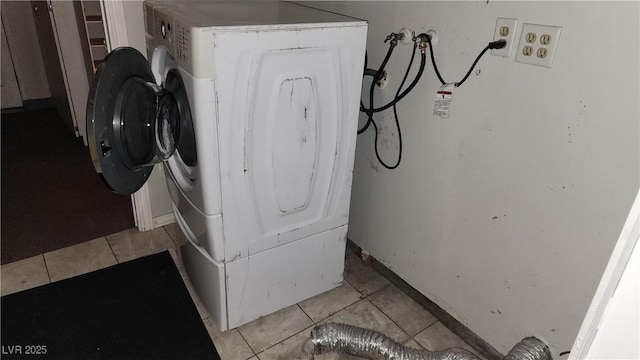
[(208, 280), (268, 281)]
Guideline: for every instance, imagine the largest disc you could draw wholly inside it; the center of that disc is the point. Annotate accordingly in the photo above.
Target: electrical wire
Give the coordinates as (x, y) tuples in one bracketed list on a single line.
[(472, 67), (492, 45)]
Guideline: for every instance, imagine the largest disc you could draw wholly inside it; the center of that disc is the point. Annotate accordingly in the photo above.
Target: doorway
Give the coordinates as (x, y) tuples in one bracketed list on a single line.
[(51, 195)]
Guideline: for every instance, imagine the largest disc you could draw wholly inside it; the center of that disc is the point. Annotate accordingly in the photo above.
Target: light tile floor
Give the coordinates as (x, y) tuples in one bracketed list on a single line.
[(365, 299)]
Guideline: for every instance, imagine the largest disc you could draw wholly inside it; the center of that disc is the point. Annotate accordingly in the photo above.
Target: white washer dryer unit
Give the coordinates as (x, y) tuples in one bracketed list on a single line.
[(253, 108)]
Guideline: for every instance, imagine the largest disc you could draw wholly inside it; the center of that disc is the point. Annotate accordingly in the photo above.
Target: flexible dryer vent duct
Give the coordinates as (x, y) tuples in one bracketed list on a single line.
[(347, 339)]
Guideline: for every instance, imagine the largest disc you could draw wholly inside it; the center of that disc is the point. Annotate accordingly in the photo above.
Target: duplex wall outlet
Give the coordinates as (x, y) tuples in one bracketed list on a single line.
[(538, 44), (505, 29)]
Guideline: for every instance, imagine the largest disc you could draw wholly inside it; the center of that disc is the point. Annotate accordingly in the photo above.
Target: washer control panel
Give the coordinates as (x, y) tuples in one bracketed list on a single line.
[(173, 34), (163, 31), (182, 42), (166, 26)]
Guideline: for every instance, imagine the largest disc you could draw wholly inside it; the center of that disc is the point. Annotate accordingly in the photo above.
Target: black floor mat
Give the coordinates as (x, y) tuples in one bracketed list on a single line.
[(135, 310), (51, 194)]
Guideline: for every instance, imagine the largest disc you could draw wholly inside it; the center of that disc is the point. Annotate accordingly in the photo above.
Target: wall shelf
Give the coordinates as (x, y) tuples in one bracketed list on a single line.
[(97, 42), (91, 20)]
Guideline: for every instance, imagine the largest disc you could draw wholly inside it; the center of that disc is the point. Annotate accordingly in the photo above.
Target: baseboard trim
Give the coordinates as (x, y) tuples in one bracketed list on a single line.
[(37, 104), (31, 104), (163, 220), (463, 332)]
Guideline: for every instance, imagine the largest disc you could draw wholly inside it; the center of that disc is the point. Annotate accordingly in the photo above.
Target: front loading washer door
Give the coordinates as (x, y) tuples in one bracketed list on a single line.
[(133, 123)]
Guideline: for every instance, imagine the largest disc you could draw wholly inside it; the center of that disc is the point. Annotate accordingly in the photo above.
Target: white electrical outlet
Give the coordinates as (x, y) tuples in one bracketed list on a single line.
[(505, 29), (538, 44)]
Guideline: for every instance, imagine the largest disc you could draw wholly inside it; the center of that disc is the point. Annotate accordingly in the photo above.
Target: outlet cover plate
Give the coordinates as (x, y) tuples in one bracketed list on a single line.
[(553, 33), (510, 37)]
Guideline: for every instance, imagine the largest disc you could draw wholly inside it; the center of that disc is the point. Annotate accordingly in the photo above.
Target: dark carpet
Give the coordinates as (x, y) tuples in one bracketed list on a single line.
[(51, 194), (135, 310)]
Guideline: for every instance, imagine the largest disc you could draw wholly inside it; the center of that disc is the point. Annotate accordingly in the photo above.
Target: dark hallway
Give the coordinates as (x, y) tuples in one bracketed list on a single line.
[(51, 195)]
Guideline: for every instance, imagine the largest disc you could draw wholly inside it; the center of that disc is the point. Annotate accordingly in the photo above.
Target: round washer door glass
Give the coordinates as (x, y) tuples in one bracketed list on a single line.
[(132, 123)]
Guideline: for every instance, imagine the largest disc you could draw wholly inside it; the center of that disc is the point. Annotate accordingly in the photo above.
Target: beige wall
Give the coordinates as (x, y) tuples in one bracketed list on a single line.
[(506, 213), (135, 24), (22, 38)]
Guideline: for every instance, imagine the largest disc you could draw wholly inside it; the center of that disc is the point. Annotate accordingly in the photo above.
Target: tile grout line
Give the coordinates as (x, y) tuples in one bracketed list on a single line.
[(361, 295), (280, 342), (246, 342), (304, 312), (170, 237), (390, 318), (111, 247), (379, 290), (337, 311), (379, 308), (419, 343), (287, 338), (46, 267), (428, 326)]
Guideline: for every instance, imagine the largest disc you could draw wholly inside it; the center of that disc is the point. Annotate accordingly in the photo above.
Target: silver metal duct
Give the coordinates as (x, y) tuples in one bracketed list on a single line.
[(352, 340), (529, 349)]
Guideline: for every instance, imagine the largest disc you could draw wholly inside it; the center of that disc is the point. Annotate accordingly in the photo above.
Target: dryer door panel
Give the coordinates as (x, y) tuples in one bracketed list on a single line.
[(287, 134)]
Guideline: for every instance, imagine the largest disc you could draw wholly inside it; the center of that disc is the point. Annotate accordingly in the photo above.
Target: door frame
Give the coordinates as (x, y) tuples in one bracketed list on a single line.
[(64, 23), (53, 62), (613, 273), (116, 36)]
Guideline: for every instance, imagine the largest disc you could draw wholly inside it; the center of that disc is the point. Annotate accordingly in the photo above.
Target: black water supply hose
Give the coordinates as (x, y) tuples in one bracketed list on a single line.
[(408, 89), (376, 77), (421, 41), (395, 116), (400, 94)]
